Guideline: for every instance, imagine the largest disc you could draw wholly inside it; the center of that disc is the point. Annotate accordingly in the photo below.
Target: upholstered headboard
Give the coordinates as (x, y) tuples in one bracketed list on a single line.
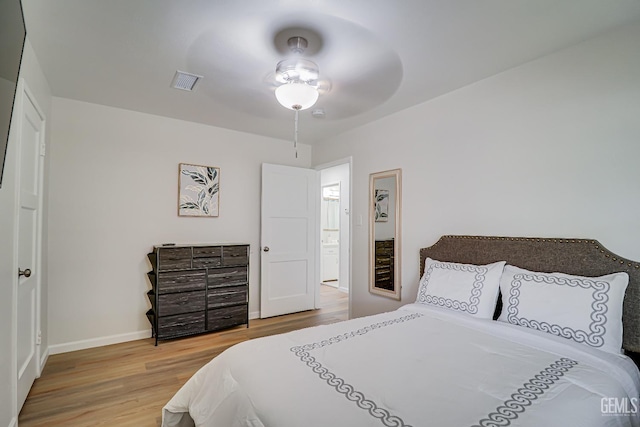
[(582, 257)]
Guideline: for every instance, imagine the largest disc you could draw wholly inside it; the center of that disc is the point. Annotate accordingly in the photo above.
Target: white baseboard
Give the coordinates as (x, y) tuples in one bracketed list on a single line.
[(254, 315), (43, 359), (333, 284), (13, 422), (345, 290), (98, 342)]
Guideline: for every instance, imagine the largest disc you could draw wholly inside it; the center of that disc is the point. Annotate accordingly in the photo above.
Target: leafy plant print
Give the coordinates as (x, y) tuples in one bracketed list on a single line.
[(199, 186), (381, 210)]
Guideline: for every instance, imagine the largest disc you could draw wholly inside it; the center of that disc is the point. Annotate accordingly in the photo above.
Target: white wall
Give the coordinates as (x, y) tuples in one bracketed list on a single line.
[(31, 72), (113, 196), (549, 148)]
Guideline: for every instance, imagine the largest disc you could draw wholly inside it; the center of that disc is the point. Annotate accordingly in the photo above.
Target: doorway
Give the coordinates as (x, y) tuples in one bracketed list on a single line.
[(330, 235), (335, 233)]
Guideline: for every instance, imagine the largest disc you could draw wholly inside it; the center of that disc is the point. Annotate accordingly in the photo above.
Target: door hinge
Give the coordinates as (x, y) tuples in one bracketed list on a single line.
[(43, 149), (39, 338)]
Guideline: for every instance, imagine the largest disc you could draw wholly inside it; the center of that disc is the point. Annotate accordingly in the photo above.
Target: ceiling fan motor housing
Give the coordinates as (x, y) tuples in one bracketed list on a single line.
[(297, 44)]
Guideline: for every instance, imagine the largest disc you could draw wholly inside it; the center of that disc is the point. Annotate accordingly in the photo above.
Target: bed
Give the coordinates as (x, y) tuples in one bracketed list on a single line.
[(449, 359)]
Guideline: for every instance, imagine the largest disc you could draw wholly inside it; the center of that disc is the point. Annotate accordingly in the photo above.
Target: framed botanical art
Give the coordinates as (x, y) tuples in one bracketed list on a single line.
[(381, 209), (199, 190)]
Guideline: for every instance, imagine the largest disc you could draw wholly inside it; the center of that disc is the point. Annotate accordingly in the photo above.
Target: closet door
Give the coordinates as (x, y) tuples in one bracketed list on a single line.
[(31, 151)]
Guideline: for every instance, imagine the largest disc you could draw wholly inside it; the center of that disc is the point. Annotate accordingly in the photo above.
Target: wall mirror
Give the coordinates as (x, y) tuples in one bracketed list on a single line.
[(384, 232)]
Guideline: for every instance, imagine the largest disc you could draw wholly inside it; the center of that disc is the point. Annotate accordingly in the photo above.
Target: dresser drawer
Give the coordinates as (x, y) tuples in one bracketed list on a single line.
[(207, 256), (174, 258), (226, 317), (152, 299), (183, 302), (235, 255), (332, 250), (227, 276), (179, 281), (383, 268), (180, 324), (382, 261), (222, 297), (207, 251), (207, 262), (151, 315), (152, 278), (384, 251)]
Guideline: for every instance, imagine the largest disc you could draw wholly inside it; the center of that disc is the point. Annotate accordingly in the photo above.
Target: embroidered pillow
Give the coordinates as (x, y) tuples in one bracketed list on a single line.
[(468, 288), (587, 310)]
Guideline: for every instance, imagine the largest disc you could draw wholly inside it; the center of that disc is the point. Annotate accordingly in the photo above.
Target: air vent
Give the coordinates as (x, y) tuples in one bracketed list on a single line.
[(185, 81), (318, 113)]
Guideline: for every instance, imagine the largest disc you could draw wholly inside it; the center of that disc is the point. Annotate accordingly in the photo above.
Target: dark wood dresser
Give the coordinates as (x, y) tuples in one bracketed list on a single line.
[(198, 288), (384, 264)]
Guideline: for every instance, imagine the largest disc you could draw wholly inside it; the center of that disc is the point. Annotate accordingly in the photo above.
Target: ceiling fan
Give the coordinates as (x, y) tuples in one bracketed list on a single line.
[(345, 69), (298, 78), (299, 81)]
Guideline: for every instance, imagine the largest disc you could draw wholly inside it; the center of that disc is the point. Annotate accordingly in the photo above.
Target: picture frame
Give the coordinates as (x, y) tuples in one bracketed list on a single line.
[(198, 190)]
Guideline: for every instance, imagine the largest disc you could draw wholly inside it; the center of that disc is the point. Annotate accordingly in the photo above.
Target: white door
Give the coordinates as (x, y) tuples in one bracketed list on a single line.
[(30, 140), (288, 239)]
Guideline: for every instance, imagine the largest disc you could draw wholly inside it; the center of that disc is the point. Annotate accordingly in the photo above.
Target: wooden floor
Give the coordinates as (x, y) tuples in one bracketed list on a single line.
[(128, 384)]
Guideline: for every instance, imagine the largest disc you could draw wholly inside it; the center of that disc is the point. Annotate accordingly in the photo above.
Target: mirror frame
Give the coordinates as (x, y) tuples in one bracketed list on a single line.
[(396, 292)]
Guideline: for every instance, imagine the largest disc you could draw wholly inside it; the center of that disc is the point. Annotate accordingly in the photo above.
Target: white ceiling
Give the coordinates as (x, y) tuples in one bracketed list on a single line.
[(379, 56)]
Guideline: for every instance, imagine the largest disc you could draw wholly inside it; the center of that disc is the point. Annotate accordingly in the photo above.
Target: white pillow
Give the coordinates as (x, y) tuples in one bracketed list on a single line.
[(468, 288), (586, 310)]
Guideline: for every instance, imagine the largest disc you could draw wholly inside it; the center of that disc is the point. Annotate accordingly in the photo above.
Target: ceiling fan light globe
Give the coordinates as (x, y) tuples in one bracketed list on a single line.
[(296, 96)]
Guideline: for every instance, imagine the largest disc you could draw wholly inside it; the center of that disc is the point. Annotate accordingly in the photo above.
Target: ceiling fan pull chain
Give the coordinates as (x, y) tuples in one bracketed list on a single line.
[(295, 132)]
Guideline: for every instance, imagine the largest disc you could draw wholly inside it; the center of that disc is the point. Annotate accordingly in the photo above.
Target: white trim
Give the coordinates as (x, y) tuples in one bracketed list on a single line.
[(331, 284), (333, 163), (98, 342), (43, 361), (13, 422), (254, 315), (14, 139)]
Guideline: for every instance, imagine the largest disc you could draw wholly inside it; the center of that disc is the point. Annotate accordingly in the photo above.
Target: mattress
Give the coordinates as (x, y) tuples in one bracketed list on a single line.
[(417, 366)]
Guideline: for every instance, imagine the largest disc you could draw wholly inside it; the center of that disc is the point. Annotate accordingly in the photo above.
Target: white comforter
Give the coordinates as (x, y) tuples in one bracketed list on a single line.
[(417, 366)]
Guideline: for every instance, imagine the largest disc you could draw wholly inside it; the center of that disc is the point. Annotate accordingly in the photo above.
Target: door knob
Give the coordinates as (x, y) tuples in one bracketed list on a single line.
[(26, 272), (266, 249)]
